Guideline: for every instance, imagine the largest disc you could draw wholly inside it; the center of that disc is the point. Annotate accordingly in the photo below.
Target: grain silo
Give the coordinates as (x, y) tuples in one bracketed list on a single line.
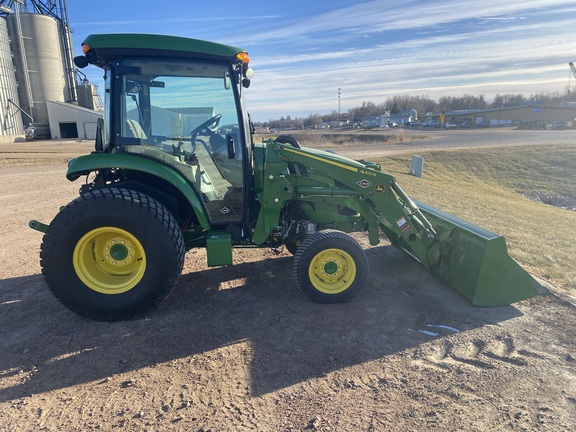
[(38, 76), (40, 64), (10, 116)]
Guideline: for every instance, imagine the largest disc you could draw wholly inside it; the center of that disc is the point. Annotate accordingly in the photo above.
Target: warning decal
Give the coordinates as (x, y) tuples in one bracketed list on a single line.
[(404, 226)]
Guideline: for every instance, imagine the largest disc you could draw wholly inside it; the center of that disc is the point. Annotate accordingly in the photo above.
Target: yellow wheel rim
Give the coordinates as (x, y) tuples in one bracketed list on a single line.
[(332, 271), (109, 260)]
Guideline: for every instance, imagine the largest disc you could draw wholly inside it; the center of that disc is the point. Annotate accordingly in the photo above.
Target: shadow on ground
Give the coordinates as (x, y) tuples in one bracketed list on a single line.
[(46, 347)]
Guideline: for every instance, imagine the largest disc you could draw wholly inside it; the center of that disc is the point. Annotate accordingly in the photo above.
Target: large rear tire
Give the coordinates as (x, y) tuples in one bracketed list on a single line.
[(112, 254), (330, 267)]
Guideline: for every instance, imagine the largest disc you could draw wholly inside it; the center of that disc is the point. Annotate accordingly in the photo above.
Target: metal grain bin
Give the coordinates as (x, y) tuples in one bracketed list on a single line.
[(39, 60), (10, 118)]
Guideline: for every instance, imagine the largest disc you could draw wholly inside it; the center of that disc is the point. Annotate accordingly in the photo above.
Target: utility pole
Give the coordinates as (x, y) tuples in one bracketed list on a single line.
[(339, 93)]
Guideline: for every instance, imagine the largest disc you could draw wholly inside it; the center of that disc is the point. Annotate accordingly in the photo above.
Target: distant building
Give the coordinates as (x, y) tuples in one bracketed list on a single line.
[(510, 116), (371, 121), (405, 116), (71, 121)]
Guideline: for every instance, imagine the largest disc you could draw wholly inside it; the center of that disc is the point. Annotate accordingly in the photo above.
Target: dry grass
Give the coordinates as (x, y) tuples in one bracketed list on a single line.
[(482, 187)]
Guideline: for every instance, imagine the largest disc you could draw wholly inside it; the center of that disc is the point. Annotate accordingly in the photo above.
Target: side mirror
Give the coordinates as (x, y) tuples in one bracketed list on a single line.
[(81, 62), (227, 84)]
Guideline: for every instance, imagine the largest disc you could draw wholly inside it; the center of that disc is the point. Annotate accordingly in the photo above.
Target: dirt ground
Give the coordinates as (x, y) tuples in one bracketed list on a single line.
[(240, 348)]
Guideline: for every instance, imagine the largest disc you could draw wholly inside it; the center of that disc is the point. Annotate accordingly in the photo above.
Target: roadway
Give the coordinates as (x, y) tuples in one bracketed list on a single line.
[(412, 140)]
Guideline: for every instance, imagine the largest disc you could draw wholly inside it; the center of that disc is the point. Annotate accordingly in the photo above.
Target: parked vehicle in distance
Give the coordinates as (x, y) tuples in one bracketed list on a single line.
[(450, 125), (561, 125)]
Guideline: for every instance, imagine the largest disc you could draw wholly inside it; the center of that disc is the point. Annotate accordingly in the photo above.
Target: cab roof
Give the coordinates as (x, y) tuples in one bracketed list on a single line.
[(111, 46)]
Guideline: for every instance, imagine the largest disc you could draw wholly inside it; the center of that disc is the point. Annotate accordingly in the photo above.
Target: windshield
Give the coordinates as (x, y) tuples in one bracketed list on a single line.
[(170, 99), (184, 114)]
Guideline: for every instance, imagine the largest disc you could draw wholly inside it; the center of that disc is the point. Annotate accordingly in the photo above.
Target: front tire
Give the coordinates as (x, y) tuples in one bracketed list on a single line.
[(330, 267), (292, 247), (112, 254)]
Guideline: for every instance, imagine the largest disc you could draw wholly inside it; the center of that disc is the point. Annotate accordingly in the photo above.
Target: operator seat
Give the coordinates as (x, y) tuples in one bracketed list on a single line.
[(134, 130)]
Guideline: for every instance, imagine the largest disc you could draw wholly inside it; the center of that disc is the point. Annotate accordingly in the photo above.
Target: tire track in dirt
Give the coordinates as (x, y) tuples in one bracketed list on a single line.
[(449, 353)]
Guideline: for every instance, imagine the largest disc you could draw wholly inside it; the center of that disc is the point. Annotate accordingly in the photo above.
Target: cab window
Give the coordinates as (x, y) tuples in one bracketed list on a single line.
[(184, 114)]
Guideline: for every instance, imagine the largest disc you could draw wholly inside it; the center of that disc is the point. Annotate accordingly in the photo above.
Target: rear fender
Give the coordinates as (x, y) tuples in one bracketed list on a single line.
[(84, 165)]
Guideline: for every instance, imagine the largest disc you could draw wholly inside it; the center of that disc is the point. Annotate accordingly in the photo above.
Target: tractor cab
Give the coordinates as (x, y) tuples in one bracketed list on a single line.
[(181, 107)]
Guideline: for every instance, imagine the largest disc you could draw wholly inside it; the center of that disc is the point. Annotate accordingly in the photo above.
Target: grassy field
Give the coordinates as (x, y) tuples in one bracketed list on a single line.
[(482, 186)]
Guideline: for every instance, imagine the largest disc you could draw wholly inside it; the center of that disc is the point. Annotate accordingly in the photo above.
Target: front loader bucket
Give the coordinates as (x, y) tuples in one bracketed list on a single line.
[(475, 262)]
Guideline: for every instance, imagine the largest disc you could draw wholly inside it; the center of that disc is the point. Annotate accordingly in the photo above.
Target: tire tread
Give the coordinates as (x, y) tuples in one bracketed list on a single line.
[(301, 253), (68, 214)]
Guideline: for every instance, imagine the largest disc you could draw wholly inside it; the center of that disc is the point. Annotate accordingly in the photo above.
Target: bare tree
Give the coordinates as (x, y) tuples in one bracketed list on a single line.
[(507, 100), (423, 105)]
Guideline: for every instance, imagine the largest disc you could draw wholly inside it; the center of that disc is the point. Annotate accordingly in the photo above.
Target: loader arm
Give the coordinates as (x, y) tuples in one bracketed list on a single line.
[(471, 259), (360, 186)]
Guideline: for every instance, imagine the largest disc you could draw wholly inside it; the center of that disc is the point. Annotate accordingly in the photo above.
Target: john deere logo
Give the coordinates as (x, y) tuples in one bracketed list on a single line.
[(379, 188), (364, 183)]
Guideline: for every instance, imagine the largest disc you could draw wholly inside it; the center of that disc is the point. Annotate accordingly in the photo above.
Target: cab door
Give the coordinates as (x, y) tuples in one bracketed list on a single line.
[(185, 113)]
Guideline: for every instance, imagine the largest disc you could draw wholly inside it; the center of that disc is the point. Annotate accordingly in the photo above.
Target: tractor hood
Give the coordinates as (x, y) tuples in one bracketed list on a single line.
[(333, 158), (328, 156)]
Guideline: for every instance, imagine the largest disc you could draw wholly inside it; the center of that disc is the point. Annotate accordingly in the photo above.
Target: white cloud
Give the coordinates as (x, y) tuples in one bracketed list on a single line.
[(377, 16), (517, 52), (377, 48)]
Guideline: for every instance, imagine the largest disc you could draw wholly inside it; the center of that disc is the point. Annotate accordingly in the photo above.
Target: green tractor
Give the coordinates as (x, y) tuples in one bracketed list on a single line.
[(175, 168)]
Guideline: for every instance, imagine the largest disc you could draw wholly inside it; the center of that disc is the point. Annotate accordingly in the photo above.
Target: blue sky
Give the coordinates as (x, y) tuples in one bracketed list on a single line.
[(303, 51)]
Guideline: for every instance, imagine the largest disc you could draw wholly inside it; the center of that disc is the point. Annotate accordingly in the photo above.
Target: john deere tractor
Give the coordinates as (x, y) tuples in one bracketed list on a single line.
[(175, 168)]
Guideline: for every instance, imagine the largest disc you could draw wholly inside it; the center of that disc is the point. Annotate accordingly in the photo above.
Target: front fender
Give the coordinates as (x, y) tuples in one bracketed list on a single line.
[(84, 165)]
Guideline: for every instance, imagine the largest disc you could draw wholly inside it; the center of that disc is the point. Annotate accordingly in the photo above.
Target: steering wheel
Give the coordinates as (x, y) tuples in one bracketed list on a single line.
[(204, 128)]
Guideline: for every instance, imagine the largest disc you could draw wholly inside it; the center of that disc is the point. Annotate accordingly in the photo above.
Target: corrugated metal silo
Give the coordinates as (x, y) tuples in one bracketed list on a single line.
[(10, 118), (39, 60)]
